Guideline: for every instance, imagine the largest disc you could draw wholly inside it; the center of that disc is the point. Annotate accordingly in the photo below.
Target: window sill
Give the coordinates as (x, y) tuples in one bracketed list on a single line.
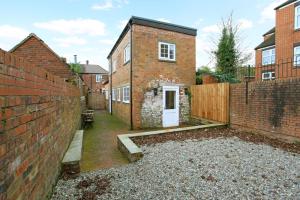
[(127, 102), (165, 60), (126, 63)]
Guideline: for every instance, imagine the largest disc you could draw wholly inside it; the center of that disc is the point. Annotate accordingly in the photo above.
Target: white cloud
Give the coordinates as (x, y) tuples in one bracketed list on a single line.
[(268, 12), (103, 6), (122, 24), (107, 42), (109, 4), (79, 26), (245, 24), (70, 41), (211, 29), (164, 20), (12, 32)]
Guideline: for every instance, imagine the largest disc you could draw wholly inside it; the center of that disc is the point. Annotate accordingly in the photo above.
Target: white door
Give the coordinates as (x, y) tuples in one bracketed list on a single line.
[(170, 106)]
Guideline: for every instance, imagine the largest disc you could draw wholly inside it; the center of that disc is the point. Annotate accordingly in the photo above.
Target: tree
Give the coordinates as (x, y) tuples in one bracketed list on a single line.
[(200, 72), (229, 54), (75, 67)]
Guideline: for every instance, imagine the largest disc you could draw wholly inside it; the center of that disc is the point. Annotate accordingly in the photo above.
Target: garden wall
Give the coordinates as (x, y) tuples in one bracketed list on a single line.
[(272, 106), (39, 115)]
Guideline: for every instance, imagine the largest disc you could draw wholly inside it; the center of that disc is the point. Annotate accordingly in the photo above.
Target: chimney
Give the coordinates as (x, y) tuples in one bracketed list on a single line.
[(87, 62), (75, 59)]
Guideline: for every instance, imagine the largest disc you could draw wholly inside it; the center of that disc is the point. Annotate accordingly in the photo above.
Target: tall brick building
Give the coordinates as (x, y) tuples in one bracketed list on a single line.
[(278, 56), (36, 51), (152, 66)]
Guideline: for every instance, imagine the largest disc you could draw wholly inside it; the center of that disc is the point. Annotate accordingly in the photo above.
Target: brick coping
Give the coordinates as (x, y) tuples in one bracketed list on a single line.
[(134, 153)]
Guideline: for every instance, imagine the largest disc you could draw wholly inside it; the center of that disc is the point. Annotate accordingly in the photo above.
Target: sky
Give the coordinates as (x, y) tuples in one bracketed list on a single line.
[(89, 28)]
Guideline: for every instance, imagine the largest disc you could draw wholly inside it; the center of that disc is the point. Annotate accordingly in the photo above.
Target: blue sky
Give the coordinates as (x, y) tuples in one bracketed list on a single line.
[(89, 28)]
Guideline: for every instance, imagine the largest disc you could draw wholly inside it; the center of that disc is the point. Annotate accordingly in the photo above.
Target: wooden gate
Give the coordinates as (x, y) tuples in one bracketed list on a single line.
[(211, 102), (96, 101)]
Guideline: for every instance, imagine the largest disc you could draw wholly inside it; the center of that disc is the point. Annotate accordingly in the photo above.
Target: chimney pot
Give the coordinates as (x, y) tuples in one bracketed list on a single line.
[(87, 62)]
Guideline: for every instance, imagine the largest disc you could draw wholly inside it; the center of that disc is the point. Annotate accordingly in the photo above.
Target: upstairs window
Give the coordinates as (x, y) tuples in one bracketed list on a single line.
[(114, 66), (297, 56), (167, 51), (127, 54), (98, 78), (297, 17), (268, 57)]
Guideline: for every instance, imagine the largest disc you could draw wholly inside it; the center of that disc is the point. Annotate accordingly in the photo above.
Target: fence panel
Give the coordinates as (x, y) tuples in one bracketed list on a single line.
[(96, 101), (211, 102)]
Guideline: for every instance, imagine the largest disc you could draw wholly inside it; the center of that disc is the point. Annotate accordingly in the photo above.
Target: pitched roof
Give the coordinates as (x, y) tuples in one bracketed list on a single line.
[(285, 4), (267, 43), (42, 42), (271, 31), (92, 69), (153, 24)]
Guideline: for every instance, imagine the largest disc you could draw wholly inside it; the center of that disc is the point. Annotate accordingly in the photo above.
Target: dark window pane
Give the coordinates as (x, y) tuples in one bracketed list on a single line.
[(170, 100)]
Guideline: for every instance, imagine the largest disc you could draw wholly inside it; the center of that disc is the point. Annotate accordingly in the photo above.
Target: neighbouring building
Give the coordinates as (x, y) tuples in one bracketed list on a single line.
[(36, 51), (152, 66), (94, 77), (278, 56)]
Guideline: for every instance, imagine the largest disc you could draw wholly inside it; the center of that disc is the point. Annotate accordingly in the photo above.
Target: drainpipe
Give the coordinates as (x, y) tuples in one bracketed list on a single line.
[(110, 92), (131, 100)]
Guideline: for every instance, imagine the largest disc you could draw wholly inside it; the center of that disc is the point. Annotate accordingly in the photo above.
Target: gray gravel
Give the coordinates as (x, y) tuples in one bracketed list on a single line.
[(209, 169)]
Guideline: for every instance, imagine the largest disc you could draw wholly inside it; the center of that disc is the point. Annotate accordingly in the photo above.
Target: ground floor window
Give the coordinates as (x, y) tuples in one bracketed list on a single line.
[(297, 56), (119, 94), (114, 94), (268, 76), (126, 94)]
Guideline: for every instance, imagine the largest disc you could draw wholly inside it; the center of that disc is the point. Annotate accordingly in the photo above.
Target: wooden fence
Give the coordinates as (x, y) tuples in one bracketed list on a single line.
[(96, 101), (211, 102)]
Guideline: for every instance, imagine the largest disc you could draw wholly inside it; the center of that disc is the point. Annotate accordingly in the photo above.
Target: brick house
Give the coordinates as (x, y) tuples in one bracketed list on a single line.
[(278, 56), (93, 77), (36, 51), (152, 65)]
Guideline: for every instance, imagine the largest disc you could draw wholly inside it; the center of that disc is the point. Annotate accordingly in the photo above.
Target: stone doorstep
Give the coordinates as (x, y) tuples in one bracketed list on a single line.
[(134, 153), (73, 155)]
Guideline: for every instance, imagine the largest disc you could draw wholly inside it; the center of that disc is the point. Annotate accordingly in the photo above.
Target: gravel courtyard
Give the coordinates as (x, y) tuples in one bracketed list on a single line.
[(221, 168)]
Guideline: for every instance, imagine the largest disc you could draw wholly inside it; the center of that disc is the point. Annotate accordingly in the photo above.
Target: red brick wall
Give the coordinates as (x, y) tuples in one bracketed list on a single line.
[(39, 114), (273, 106), (34, 51)]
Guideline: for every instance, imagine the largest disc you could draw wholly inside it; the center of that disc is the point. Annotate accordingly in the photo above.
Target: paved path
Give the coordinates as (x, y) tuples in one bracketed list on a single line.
[(100, 143)]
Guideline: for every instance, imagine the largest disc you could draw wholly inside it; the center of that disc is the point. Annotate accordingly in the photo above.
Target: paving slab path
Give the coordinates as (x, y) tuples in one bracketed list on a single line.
[(100, 143)]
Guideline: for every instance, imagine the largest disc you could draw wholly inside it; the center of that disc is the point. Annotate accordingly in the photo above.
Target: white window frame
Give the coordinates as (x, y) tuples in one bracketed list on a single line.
[(270, 74), (168, 57), (297, 17), (113, 94), (126, 94), (297, 56), (98, 78), (269, 56), (114, 66), (127, 53), (119, 94), (106, 94)]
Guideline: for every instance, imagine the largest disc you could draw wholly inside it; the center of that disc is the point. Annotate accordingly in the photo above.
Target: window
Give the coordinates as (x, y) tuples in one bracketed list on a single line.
[(167, 51), (268, 76), (126, 94), (106, 94), (114, 94), (170, 100), (297, 56), (119, 94), (268, 56), (98, 78), (127, 53), (297, 17), (114, 66)]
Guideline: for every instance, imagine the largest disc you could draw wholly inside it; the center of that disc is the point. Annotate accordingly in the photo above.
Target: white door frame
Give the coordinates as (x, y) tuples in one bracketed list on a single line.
[(170, 118)]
